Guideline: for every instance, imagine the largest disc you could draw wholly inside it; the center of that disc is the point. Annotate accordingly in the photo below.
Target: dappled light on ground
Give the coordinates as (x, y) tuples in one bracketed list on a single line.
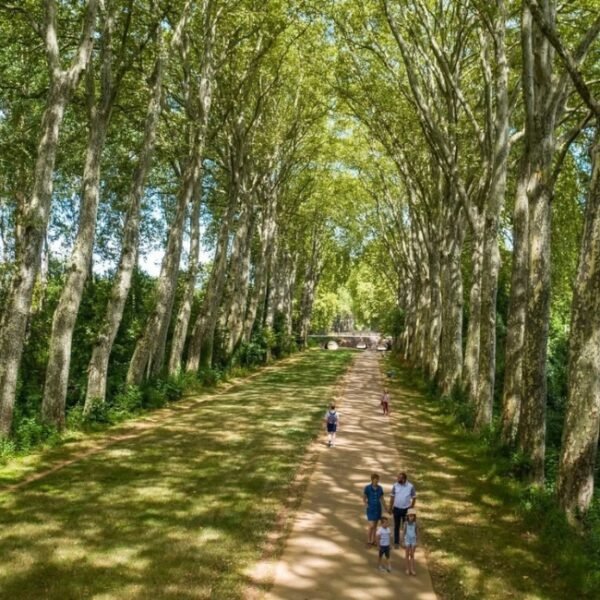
[(325, 556), (477, 547), (176, 513)]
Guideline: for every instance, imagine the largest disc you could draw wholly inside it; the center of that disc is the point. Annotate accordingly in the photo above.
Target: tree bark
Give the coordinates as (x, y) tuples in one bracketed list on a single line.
[(185, 309), (239, 294), (65, 314), (450, 372), (261, 267), (200, 351), (491, 254), (37, 208), (575, 486), (515, 330), (148, 356), (473, 341), (433, 310), (98, 365), (538, 85)]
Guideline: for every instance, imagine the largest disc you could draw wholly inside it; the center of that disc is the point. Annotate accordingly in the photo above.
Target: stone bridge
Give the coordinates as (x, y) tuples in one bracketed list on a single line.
[(369, 340)]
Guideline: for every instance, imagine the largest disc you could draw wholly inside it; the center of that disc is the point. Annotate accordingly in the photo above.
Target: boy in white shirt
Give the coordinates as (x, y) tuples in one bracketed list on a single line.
[(384, 536)]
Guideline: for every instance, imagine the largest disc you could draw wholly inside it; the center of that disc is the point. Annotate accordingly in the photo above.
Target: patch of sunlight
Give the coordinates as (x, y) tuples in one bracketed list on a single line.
[(209, 534), (231, 436), (182, 591), (519, 554), (20, 562), (32, 530), (445, 475), (490, 500), (155, 492), (467, 519), (119, 452), (127, 591), (120, 556), (471, 576), (68, 550)]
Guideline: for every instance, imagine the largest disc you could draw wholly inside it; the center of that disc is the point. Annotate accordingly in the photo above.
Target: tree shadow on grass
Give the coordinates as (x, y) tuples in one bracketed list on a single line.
[(477, 543), (176, 513)]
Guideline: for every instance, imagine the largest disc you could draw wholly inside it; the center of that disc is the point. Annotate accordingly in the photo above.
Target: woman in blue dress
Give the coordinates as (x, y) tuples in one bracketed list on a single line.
[(372, 497)]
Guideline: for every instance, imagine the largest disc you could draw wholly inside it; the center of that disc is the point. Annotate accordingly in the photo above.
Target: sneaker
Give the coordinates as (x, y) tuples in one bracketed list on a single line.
[(381, 568), (389, 569)]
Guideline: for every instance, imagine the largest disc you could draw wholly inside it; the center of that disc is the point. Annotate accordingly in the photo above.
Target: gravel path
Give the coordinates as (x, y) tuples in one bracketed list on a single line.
[(325, 557)]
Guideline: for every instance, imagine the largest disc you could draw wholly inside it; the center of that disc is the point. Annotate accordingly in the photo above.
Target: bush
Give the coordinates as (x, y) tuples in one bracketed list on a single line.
[(209, 377), (519, 464), (7, 448), (458, 407), (127, 402), (99, 413), (172, 388), (251, 354), (30, 432)]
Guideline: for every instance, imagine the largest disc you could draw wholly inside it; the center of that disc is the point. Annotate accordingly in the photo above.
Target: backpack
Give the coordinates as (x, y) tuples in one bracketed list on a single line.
[(332, 417)]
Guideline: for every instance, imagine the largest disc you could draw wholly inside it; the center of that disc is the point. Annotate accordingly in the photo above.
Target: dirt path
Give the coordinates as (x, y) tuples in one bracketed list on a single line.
[(325, 556)]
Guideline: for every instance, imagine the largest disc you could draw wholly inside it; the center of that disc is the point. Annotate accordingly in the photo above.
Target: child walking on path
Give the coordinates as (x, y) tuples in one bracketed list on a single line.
[(385, 401), (410, 540), (332, 418), (384, 538)]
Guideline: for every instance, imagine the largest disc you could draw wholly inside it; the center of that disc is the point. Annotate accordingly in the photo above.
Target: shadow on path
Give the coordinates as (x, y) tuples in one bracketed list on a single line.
[(325, 556)]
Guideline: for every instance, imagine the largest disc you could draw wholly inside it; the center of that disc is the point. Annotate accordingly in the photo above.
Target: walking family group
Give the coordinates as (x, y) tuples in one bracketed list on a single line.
[(401, 505)]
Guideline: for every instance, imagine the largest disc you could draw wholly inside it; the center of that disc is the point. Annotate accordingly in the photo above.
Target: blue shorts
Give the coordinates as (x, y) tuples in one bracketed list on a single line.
[(331, 427), (384, 551)]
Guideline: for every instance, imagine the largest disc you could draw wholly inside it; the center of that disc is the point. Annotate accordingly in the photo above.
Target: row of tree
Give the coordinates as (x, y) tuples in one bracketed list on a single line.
[(473, 110), (173, 125), (271, 152)]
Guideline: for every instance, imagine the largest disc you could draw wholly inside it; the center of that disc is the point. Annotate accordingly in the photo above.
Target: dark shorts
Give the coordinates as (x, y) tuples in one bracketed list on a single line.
[(331, 427), (384, 551)]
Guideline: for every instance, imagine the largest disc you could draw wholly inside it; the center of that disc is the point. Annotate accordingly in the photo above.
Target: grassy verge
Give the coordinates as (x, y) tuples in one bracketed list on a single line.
[(179, 512), (487, 536)]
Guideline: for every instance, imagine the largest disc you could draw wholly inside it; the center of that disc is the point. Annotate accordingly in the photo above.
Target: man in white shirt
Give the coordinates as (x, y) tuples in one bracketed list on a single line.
[(403, 497)]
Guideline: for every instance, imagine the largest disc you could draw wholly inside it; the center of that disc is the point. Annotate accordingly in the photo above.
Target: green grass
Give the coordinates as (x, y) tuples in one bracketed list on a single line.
[(179, 512), (487, 536)]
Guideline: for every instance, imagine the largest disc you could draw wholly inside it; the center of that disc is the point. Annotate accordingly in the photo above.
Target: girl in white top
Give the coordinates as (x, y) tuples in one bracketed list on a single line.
[(411, 530)]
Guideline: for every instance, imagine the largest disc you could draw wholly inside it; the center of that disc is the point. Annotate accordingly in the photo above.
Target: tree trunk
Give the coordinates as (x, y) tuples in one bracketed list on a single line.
[(310, 282), (148, 356), (473, 342), (98, 365), (200, 350), (515, 330), (65, 314), (261, 268), (185, 309), (489, 292), (239, 296), (491, 254), (582, 418), (539, 89), (37, 209), (452, 306), (433, 325)]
